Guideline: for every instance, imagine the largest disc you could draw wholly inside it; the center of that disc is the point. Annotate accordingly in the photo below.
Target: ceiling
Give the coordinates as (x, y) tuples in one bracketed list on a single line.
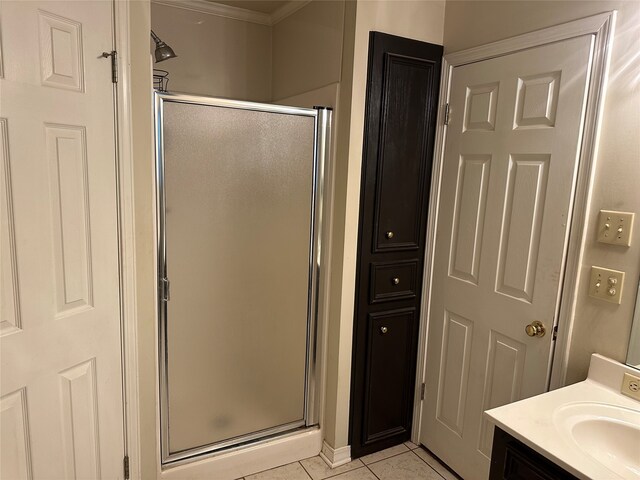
[(262, 6)]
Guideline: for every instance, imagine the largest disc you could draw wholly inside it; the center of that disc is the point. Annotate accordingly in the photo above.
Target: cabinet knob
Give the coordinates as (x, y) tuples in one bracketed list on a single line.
[(389, 234), (383, 330), (395, 280)]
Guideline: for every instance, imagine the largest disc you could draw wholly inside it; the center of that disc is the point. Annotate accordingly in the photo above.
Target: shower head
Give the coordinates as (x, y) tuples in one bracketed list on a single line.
[(163, 51)]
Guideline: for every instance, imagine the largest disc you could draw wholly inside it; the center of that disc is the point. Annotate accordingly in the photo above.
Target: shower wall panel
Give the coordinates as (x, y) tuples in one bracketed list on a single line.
[(238, 205)]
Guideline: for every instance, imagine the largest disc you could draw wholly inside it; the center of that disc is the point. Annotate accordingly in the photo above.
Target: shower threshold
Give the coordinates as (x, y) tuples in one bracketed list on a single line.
[(237, 443)]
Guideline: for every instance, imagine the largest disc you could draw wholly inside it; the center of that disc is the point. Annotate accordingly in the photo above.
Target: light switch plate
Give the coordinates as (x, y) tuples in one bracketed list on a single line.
[(615, 228), (606, 284)]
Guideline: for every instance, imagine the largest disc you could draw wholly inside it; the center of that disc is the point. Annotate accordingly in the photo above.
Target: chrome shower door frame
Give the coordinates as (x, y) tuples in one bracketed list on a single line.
[(321, 142)]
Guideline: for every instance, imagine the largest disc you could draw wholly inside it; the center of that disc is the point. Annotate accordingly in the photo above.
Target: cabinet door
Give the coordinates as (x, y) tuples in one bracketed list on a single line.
[(402, 94), (389, 374), (399, 164), (513, 460)]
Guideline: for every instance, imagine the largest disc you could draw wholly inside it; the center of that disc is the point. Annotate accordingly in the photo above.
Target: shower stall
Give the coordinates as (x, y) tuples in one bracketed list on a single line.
[(239, 219)]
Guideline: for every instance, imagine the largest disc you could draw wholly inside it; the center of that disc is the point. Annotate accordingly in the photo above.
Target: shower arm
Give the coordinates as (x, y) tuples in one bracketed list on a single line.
[(155, 37)]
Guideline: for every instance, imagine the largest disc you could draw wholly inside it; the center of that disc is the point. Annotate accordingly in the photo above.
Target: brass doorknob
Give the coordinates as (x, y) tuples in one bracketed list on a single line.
[(535, 329)]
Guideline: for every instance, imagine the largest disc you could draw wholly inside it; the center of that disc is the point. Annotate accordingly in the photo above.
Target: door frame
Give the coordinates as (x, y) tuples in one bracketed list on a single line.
[(601, 26), (126, 236)]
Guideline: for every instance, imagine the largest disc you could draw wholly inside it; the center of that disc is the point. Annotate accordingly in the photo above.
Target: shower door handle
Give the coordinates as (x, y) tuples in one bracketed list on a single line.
[(165, 291)]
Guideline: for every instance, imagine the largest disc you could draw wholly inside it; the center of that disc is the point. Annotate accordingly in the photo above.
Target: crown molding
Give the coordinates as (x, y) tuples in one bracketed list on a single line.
[(235, 13), (219, 10), (287, 9)]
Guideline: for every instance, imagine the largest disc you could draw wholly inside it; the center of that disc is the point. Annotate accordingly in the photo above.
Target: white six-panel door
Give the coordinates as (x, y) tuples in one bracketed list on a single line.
[(61, 389), (509, 170)]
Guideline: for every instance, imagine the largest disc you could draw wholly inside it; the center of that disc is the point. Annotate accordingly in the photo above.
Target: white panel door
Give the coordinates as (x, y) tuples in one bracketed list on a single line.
[(508, 176), (61, 390)]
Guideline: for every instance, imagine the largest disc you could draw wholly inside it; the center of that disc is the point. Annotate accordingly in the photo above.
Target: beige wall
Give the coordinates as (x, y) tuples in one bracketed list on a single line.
[(217, 56), (326, 96), (307, 49), (421, 21), (598, 326), (308, 57)]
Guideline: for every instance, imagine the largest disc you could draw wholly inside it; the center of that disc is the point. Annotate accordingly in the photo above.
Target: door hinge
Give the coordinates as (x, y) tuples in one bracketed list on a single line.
[(165, 289), (125, 465), (446, 114), (422, 390), (555, 332), (114, 64)]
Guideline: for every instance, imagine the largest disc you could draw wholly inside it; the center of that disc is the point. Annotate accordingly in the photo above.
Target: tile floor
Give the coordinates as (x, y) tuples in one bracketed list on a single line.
[(402, 462)]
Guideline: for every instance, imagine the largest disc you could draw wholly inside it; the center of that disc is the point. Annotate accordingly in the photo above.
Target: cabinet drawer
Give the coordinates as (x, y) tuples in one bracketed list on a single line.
[(393, 280)]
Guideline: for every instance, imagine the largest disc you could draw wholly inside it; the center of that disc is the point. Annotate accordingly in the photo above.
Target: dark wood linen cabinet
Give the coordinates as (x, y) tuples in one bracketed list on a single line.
[(400, 119)]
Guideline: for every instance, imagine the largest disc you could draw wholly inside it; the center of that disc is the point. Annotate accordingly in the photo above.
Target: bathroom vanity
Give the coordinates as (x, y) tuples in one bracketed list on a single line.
[(586, 431), (512, 459)]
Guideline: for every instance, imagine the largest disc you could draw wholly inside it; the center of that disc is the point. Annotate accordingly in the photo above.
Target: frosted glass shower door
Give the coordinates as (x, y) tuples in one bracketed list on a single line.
[(237, 190)]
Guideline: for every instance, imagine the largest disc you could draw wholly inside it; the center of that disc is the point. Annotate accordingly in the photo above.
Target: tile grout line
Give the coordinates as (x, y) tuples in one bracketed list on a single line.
[(372, 472), (332, 475), (390, 456), (280, 466), (428, 464), (446, 467), (304, 470), (342, 473), (402, 453), (367, 466)]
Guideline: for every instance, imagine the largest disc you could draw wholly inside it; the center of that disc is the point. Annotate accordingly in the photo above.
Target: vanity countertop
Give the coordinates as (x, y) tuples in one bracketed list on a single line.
[(534, 421)]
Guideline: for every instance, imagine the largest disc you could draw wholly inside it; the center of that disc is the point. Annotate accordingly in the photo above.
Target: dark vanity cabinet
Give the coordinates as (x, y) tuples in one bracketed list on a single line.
[(513, 460), (402, 103)]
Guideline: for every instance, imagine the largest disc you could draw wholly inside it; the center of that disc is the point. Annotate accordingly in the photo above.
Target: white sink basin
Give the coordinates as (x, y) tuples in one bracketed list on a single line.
[(589, 429), (607, 433)]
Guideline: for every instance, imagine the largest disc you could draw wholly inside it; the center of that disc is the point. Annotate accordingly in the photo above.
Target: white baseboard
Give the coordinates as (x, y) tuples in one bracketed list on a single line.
[(334, 457)]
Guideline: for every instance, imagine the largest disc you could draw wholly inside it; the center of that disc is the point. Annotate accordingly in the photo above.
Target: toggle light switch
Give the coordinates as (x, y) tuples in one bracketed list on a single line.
[(615, 228), (606, 284)]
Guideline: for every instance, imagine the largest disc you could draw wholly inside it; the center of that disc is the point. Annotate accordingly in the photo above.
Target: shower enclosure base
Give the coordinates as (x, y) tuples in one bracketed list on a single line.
[(248, 459)]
